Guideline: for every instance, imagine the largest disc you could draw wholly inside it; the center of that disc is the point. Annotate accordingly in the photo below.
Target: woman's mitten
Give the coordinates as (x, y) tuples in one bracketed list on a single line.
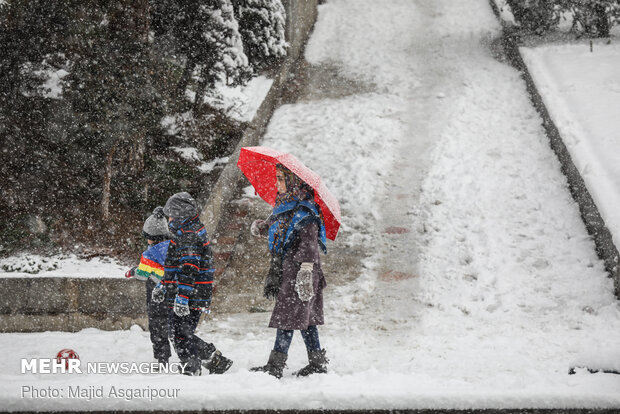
[(303, 285)]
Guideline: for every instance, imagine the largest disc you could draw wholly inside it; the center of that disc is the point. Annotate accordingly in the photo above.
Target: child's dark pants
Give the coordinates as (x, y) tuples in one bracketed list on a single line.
[(158, 324), (190, 348)]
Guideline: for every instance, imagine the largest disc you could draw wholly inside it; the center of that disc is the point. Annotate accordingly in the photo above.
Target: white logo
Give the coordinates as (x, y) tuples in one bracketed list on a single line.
[(75, 366)]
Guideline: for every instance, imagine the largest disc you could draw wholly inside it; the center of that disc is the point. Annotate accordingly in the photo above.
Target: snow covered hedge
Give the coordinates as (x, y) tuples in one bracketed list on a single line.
[(592, 18)]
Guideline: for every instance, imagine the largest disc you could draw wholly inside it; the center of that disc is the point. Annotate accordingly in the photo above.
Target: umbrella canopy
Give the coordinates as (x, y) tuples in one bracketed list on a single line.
[(258, 164)]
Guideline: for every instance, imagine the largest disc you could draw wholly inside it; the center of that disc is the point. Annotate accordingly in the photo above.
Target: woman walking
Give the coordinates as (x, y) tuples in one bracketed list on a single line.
[(296, 233)]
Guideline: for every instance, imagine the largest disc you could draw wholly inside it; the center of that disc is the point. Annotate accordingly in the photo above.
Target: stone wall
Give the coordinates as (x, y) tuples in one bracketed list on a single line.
[(71, 304)]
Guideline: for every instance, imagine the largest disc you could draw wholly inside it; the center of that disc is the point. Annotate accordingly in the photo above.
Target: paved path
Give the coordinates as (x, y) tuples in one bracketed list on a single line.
[(418, 107)]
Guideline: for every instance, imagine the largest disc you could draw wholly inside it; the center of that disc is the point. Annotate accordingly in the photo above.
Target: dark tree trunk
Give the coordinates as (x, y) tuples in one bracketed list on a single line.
[(602, 21), (143, 16), (200, 92), (131, 17), (185, 78), (107, 181)]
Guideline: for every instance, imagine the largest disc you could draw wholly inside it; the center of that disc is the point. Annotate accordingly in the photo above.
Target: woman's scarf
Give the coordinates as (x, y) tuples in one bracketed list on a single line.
[(296, 190)]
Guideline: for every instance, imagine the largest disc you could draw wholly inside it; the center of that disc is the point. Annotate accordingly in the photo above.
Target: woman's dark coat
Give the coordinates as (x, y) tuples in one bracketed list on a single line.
[(289, 311)]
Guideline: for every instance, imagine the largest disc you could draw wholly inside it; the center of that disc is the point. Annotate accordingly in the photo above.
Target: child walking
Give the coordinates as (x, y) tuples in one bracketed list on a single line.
[(296, 233), (187, 285), (151, 269)]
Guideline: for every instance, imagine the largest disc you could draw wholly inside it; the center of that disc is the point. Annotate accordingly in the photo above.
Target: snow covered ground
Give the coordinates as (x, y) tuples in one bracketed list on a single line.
[(581, 89), (483, 285), (30, 265)]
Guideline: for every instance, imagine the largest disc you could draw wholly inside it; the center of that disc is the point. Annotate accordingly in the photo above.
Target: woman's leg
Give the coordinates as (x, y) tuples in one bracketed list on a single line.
[(317, 362), (311, 338), (283, 340), (278, 356)]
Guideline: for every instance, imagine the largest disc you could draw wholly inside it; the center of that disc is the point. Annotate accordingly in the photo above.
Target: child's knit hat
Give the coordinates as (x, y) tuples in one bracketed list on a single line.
[(156, 226), (181, 205)]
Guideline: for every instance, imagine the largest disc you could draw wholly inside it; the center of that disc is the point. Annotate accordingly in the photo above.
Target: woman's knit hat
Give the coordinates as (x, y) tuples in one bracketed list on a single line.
[(156, 226)]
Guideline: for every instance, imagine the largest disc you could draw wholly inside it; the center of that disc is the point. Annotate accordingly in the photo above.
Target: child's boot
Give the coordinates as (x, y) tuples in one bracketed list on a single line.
[(192, 367), (217, 364)]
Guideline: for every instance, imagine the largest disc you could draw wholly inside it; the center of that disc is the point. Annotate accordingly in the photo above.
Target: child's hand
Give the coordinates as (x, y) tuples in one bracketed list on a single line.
[(130, 273), (181, 306), (159, 293)]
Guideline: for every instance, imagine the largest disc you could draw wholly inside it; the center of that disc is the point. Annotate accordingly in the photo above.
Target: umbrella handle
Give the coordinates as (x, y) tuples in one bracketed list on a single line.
[(259, 228), (270, 219)]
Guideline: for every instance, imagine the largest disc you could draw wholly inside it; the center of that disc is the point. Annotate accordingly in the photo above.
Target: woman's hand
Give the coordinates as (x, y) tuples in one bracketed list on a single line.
[(303, 284), (258, 228)]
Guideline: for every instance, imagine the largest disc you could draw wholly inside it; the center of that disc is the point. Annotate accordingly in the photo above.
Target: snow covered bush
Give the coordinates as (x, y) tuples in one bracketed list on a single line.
[(208, 35), (537, 16), (31, 264), (591, 18), (262, 24)]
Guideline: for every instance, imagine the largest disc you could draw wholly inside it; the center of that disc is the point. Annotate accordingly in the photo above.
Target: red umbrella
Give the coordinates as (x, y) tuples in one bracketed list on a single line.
[(258, 164)]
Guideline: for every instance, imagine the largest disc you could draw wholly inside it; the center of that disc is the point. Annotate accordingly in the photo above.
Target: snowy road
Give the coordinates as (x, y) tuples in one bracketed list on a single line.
[(482, 285)]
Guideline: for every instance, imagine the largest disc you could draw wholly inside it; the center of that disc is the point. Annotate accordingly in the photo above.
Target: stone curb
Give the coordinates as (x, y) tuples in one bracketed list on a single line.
[(72, 304)]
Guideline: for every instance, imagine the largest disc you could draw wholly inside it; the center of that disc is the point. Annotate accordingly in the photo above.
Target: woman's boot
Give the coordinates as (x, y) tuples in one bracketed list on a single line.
[(317, 364), (275, 364)]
